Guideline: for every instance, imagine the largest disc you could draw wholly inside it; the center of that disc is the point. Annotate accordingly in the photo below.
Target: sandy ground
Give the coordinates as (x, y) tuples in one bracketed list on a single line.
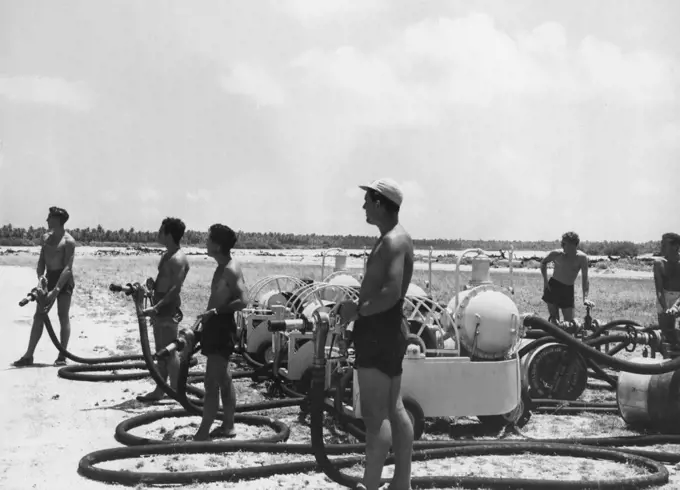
[(50, 423)]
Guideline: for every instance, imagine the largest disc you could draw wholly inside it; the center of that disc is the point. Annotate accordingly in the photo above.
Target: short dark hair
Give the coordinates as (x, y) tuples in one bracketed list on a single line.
[(390, 205), (224, 236), (174, 227), (673, 238), (571, 237), (60, 213)]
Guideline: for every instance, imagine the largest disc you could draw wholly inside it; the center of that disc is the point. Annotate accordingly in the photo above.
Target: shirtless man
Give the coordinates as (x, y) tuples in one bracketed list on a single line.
[(165, 313), (558, 292), (218, 333), (379, 336), (56, 265), (667, 283)]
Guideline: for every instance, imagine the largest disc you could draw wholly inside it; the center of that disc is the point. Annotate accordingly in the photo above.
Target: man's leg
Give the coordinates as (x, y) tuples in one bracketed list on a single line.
[(228, 400), (213, 372), (164, 332), (667, 327), (402, 438), (568, 314), (63, 310), (553, 313), (374, 389), (36, 333)]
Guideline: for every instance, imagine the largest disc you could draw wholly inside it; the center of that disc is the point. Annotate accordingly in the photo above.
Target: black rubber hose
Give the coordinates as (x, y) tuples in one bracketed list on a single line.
[(611, 325), (86, 465), (619, 364), (111, 363), (659, 473)]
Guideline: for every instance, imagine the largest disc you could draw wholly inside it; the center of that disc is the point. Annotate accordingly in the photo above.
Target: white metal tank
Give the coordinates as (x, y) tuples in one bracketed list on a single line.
[(488, 321)]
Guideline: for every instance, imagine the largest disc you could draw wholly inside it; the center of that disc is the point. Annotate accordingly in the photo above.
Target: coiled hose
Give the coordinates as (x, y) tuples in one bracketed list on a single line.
[(424, 450), (93, 364)]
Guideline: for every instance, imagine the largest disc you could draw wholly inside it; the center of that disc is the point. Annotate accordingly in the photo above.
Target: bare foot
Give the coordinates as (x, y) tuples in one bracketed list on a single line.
[(221, 431), (154, 396), (198, 437)]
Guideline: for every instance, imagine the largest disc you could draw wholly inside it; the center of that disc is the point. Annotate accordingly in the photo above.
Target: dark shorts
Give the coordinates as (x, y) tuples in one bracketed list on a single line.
[(53, 278), (218, 335), (561, 295), (380, 341), (169, 312)]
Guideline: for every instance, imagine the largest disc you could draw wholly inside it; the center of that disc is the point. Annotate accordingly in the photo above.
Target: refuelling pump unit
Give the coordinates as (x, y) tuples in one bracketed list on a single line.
[(470, 343)]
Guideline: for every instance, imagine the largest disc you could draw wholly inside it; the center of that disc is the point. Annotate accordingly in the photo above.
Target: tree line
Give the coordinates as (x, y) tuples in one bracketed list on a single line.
[(12, 236)]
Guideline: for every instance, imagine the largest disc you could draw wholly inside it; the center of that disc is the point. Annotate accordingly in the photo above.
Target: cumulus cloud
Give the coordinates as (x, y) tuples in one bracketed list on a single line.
[(75, 96), (199, 195), (470, 61), (315, 10), (253, 80)]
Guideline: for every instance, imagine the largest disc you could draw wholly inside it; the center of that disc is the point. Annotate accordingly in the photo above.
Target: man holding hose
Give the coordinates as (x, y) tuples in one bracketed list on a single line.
[(218, 333), (379, 336), (165, 313), (55, 267)]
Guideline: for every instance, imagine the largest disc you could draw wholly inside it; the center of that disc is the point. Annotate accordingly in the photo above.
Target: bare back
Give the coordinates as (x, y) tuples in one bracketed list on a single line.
[(669, 273), (57, 251), (227, 284), (566, 267), (390, 260), (172, 270)]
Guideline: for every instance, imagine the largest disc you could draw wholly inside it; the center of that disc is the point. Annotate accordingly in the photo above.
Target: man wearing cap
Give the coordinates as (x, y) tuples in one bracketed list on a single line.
[(379, 337), (55, 267)]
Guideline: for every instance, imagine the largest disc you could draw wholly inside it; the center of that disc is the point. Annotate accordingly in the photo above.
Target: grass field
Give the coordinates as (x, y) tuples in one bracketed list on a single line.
[(614, 298)]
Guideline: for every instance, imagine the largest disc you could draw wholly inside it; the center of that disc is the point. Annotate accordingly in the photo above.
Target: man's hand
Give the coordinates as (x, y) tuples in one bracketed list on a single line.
[(205, 316), (673, 310), (152, 311), (348, 311), (49, 300), (588, 302)]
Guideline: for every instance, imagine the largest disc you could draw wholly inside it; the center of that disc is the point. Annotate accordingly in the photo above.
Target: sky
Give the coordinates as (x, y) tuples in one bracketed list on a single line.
[(513, 120)]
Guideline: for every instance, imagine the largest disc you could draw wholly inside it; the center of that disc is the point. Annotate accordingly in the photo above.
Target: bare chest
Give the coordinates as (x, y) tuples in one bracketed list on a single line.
[(568, 264)]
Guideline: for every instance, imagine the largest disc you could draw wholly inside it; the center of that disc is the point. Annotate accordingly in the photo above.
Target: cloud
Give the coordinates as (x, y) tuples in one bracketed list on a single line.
[(199, 195), (438, 63), (148, 194), (308, 11), (365, 88), (253, 80), (75, 96)]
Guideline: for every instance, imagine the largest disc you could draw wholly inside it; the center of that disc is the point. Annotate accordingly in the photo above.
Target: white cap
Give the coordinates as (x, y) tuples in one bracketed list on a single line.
[(388, 188)]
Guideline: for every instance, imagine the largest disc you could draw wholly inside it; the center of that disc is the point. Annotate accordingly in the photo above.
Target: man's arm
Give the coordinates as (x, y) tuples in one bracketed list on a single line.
[(40, 270), (544, 264), (176, 275), (584, 277), (393, 256), (658, 283), (69, 254), (236, 301)]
